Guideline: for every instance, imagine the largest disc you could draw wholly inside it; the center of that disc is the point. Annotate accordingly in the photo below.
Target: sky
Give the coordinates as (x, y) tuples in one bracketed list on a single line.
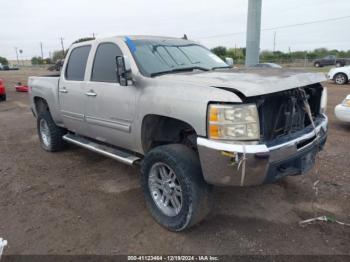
[(26, 23)]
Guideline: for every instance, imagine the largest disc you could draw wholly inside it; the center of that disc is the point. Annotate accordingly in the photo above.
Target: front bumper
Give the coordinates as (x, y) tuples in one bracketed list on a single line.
[(241, 164), (342, 113)]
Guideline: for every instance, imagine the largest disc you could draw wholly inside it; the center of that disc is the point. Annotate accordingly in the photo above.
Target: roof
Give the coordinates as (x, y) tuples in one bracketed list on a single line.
[(136, 37)]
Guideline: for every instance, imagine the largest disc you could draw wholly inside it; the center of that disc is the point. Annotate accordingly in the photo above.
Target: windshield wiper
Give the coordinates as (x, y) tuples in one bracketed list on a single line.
[(220, 67), (181, 69)]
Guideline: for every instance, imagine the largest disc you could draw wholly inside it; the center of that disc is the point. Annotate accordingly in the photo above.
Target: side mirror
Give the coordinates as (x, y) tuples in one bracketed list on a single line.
[(229, 61), (124, 71)]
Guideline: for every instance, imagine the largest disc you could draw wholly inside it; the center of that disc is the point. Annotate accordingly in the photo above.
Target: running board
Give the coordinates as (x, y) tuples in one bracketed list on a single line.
[(102, 149)]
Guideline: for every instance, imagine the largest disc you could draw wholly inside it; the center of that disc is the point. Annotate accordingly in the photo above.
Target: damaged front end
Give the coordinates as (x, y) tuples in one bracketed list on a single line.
[(285, 113), (293, 129)]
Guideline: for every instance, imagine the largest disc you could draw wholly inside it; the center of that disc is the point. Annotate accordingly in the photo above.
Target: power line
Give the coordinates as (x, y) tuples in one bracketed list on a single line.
[(308, 23), (280, 27)]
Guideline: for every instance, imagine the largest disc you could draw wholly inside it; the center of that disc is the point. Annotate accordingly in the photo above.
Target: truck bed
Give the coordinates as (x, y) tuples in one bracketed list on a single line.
[(46, 86)]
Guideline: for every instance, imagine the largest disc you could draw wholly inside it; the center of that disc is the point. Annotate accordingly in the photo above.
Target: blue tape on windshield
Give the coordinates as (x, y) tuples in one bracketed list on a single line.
[(130, 44)]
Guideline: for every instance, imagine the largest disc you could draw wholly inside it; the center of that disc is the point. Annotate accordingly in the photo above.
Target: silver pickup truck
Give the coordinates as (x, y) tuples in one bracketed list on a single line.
[(188, 118)]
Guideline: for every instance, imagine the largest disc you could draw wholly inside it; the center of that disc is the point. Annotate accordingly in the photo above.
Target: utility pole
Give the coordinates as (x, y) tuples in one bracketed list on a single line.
[(274, 42), (253, 32), (290, 54), (62, 45), (21, 52), (16, 49), (41, 48)]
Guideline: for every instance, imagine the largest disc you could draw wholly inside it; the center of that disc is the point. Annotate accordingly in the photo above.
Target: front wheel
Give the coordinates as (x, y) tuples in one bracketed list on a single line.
[(340, 79), (175, 191)]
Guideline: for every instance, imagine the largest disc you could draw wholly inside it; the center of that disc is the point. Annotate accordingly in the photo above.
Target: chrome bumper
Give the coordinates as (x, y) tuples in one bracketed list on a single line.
[(241, 164)]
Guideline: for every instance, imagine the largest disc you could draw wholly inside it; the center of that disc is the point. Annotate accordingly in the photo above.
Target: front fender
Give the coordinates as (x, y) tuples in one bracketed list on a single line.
[(187, 103)]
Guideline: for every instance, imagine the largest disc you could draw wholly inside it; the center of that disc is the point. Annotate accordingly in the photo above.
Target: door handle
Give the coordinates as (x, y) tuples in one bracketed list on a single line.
[(63, 90), (91, 93)]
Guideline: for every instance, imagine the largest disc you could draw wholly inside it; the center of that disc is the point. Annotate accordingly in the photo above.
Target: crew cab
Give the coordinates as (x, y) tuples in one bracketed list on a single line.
[(186, 117), (331, 60)]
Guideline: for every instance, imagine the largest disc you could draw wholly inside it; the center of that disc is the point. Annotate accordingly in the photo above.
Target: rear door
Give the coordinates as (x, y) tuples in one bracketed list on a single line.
[(110, 107), (72, 90)]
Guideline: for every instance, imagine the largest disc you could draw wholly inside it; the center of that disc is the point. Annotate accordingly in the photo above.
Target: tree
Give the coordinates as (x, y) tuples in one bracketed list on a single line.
[(47, 61), (3, 61), (57, 55), (220, 51), (238, 54), (37, 60)]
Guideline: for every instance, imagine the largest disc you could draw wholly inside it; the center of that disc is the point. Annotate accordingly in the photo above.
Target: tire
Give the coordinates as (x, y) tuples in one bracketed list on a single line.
[(3, 97), (195, 200), (50, 135), (340, 79), (338, 64), (317, 64)]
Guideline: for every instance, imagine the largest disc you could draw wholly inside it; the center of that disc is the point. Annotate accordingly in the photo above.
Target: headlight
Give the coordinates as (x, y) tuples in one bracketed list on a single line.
[(233, 122), (324, 99)]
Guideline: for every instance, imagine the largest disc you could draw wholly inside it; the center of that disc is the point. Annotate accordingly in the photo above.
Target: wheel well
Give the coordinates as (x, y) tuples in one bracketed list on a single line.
[(160, 130), (40, 105), (341, 73)]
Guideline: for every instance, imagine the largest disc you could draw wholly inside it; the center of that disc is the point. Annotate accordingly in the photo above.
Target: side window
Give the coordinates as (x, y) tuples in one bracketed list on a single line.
[(104, 68), (77, 63)]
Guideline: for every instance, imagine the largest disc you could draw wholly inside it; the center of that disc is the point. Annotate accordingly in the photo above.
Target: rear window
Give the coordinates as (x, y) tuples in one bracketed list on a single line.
[(77, 63)]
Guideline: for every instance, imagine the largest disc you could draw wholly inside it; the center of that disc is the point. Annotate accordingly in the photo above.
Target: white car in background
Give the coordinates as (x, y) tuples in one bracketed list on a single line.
[(339, 75), (342, 111)]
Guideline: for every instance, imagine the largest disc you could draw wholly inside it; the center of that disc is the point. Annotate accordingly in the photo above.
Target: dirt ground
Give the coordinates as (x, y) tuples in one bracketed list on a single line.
[(78, 202)]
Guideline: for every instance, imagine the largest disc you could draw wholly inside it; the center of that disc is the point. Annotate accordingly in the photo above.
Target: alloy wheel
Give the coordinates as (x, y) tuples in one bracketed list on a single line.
[(340, 79), (45, 133), (165, 189)]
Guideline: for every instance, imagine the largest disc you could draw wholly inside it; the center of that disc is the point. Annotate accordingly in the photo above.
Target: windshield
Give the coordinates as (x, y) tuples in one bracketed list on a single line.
[(165, 56)]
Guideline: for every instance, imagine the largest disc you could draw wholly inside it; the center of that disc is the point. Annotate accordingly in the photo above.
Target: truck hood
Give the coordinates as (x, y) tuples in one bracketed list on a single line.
[(250, 82)]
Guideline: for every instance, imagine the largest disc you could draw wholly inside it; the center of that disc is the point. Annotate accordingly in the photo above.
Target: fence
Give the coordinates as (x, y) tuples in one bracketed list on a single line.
[(283, 62)]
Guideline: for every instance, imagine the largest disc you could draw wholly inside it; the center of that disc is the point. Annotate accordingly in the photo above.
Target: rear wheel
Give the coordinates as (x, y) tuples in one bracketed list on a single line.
[(338, 64), (340, 79), (50, 134), (317, 64), (175, 191)]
